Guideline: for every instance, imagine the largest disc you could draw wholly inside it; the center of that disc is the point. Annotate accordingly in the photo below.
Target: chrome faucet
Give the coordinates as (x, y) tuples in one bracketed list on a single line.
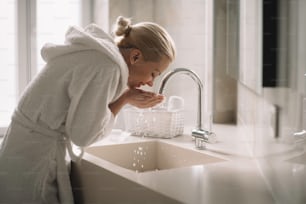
[(200, 135)]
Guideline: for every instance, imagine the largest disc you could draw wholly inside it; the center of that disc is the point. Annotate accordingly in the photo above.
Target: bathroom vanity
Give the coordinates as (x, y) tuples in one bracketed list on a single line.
[(127, 169)]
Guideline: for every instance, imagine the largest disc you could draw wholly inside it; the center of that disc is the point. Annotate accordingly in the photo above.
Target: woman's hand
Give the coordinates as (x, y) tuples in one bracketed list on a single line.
[(136, 97), (142, 99)]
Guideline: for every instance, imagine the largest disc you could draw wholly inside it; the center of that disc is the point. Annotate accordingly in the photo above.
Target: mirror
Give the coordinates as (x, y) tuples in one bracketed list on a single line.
[(274, 43), (264, 39)]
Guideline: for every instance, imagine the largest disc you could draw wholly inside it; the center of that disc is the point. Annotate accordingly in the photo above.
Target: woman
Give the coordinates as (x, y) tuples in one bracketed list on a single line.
[(74, 99)]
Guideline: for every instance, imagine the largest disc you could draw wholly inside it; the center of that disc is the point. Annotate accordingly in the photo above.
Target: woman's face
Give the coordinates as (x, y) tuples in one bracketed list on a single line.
[(144, 72)]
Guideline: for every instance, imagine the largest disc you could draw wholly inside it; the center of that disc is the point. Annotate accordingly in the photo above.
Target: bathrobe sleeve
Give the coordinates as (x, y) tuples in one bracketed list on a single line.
[(89, 117)]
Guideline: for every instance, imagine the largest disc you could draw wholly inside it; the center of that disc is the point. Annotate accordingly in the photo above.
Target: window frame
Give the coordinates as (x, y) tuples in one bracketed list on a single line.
[(26, 45)]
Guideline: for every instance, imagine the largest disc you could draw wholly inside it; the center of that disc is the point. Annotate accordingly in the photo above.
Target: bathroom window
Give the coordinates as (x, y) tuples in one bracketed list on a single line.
[(53, 19), (8, 65), (25, 27)]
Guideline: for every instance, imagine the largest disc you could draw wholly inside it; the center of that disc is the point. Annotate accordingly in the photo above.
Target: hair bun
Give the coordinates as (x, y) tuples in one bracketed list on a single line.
[(122, 26)]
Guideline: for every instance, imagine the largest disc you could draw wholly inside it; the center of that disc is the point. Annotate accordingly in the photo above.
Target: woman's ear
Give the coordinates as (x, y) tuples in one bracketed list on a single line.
[(135, 56)]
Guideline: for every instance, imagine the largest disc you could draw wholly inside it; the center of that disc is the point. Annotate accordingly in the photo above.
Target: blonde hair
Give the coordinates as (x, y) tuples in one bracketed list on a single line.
[(152, 39)]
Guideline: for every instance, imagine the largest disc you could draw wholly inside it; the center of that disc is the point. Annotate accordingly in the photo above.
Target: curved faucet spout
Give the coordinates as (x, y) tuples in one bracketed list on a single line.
[(196, 79), (201, 136)]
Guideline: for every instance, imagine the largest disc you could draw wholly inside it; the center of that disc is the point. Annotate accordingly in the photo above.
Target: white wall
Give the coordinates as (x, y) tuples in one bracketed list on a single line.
[(225, 86)]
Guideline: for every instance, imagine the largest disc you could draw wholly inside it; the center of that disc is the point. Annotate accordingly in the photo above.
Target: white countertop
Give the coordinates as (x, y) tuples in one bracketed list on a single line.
[(239, 179)]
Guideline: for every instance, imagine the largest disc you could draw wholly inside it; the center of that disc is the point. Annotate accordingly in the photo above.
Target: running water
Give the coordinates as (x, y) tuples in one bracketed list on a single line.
[(139, 158)]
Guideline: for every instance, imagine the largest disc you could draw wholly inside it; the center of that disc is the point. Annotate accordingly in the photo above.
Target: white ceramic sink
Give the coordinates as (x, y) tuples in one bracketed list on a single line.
[(150, 156)]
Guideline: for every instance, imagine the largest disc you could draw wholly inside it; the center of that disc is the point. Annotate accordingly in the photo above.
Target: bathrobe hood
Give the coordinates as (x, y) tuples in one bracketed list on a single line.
[(79, 39)]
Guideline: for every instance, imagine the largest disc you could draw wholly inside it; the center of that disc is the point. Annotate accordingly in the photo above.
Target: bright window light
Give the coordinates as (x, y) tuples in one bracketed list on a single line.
[(53, 19), (8, 61)]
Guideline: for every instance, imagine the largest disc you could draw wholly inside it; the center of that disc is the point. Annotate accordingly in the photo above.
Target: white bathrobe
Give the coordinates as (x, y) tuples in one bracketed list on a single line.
[(67, 102)]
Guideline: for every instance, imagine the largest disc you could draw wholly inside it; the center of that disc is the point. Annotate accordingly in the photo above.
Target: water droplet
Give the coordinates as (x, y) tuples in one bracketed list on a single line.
[(134, 164), (142, 166)]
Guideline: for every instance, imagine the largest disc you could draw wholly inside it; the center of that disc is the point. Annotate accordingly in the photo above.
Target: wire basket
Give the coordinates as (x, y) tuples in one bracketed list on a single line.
[(158, 122)]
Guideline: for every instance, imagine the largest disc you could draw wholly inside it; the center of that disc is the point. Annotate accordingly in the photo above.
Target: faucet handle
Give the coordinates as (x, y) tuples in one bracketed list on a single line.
[(203, 136)]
